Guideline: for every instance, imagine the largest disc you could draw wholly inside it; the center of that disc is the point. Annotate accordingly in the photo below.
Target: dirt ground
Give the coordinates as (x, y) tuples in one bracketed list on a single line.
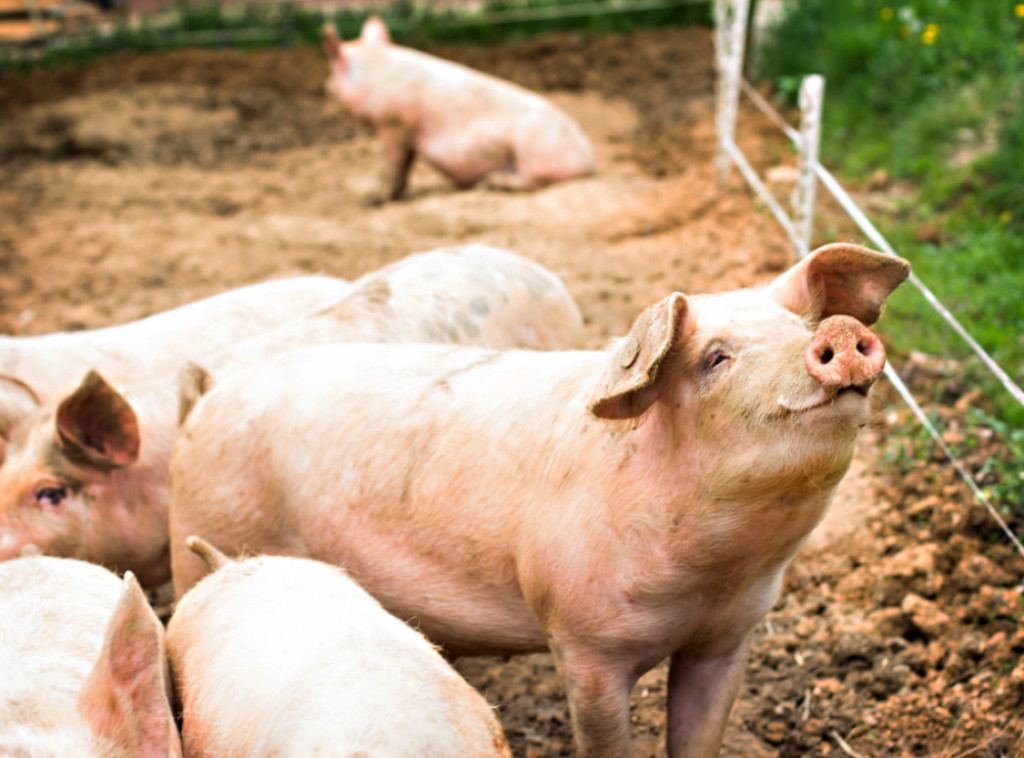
[(141, 182)]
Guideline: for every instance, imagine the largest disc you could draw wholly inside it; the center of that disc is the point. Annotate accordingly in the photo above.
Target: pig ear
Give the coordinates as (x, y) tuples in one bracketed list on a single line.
[(840, 279), (194, 381), (96, 426), (331, 43), (374, 31), (628, 386), (126, 697), (17, 401)]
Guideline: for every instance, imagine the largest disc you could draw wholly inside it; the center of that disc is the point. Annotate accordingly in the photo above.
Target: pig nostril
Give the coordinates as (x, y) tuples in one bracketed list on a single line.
[(864, 348), (827, 355)]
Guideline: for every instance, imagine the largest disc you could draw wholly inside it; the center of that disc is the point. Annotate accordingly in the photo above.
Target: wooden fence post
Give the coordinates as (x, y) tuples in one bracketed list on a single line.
[(812, 91), (730, 33)]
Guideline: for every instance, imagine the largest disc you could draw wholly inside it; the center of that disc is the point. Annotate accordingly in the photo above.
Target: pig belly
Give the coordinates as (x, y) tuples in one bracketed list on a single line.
[(466, 154), (441, 600)]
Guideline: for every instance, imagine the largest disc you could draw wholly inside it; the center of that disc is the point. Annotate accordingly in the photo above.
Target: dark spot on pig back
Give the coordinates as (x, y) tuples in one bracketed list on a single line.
[(466, 325), (537, 286), (479, 306), (428, 331)]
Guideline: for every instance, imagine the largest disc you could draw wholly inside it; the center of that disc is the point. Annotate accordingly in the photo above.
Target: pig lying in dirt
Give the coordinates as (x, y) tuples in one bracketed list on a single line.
[(283, 656), (86, 477), (618, 507), (36, 370), (82, 665), (464, 123)]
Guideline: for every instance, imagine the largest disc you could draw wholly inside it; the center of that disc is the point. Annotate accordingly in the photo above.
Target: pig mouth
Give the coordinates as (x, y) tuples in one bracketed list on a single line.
[(822, 397)]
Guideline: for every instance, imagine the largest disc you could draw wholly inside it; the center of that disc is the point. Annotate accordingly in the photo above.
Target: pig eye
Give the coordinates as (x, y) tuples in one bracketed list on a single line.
[(715, 359), (51, 496)]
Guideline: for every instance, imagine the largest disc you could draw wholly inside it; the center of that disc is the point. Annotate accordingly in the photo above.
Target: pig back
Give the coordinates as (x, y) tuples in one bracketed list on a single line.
[(468, 294), (326, 670), (157, 345)]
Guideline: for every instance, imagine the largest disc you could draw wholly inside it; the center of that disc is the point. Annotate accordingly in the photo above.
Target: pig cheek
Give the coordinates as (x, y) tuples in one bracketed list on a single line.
[(54, 529)]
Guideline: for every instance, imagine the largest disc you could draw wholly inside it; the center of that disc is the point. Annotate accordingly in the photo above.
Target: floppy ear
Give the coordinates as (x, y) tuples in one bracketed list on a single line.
[(629, 384), (374, 31), (96, 426), (126, 697), (331, 44), (17, 401), (840, 279)]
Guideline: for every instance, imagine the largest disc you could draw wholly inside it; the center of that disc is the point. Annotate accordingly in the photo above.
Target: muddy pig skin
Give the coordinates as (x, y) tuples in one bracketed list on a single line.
[(277, 656), (83, 670), (86, 476), (464, 123), (36, 370), (617, 506)]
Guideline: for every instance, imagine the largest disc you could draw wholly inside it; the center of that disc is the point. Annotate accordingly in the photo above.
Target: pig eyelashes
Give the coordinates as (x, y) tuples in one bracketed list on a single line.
[(714, 359)]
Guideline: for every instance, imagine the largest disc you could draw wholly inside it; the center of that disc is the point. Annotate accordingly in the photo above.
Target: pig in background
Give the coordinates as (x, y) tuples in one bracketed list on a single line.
[(86, 476), (618, 506), (35, 371), (83, 671), (464, 123), (285, 656)]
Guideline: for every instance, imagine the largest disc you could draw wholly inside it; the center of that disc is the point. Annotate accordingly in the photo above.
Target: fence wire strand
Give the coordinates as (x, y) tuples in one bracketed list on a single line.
[(861, 219)]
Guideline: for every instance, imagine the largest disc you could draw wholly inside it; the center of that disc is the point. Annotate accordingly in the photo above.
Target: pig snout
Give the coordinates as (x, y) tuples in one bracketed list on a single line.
[(844, 353)]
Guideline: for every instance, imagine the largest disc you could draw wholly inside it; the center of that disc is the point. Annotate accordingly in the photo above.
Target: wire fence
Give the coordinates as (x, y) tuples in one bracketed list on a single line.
[(734, 13)]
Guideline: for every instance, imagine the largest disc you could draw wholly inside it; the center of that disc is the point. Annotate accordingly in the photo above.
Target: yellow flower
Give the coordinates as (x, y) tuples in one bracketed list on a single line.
[(1005, 217), (887, 13), (1018, 9), (930, 33)]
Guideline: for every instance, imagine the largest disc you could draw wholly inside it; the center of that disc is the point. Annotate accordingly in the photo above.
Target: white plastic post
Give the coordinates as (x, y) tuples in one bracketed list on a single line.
[(812, 92), (730, 37)]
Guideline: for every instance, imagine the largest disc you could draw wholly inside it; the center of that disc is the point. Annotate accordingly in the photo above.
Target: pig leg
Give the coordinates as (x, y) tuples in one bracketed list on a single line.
[(700, 695), (598, 687), (397, 155)]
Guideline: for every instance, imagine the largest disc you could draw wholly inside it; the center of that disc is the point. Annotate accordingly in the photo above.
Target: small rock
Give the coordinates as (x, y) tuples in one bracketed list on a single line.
[(925, 615)]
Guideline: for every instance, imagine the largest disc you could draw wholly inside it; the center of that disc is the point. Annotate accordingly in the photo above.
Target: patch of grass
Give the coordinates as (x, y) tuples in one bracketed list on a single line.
[(931, 93)]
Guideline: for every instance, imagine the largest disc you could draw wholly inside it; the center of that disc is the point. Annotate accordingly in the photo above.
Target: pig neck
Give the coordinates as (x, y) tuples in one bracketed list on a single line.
[(136, 516), (678, 537)]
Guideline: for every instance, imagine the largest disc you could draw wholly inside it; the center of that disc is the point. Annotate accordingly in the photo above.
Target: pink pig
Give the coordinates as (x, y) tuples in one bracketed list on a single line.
[(464, 123), (618, 506), (83, 670), (283, 656), (86, 476), (35, 370)]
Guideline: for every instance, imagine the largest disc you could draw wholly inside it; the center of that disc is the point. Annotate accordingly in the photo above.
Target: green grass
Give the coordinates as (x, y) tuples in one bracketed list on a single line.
[(932, 93)]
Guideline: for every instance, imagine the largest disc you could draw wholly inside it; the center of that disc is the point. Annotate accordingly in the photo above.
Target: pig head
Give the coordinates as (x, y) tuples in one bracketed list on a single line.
[(83, 661), (618, 507), (76, 484)]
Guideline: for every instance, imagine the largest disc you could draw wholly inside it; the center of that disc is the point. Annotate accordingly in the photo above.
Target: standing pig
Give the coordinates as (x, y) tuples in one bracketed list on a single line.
[(36, 370), (82, 665), (464, 123), (86, 477), (283, 656), (618, 507)]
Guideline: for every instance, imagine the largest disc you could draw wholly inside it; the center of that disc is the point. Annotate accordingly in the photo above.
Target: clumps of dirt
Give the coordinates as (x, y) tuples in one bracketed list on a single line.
[(133, 108), (908, 641)]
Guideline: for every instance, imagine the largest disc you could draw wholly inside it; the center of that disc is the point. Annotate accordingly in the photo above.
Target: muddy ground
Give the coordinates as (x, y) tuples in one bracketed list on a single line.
[(141, 182)]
